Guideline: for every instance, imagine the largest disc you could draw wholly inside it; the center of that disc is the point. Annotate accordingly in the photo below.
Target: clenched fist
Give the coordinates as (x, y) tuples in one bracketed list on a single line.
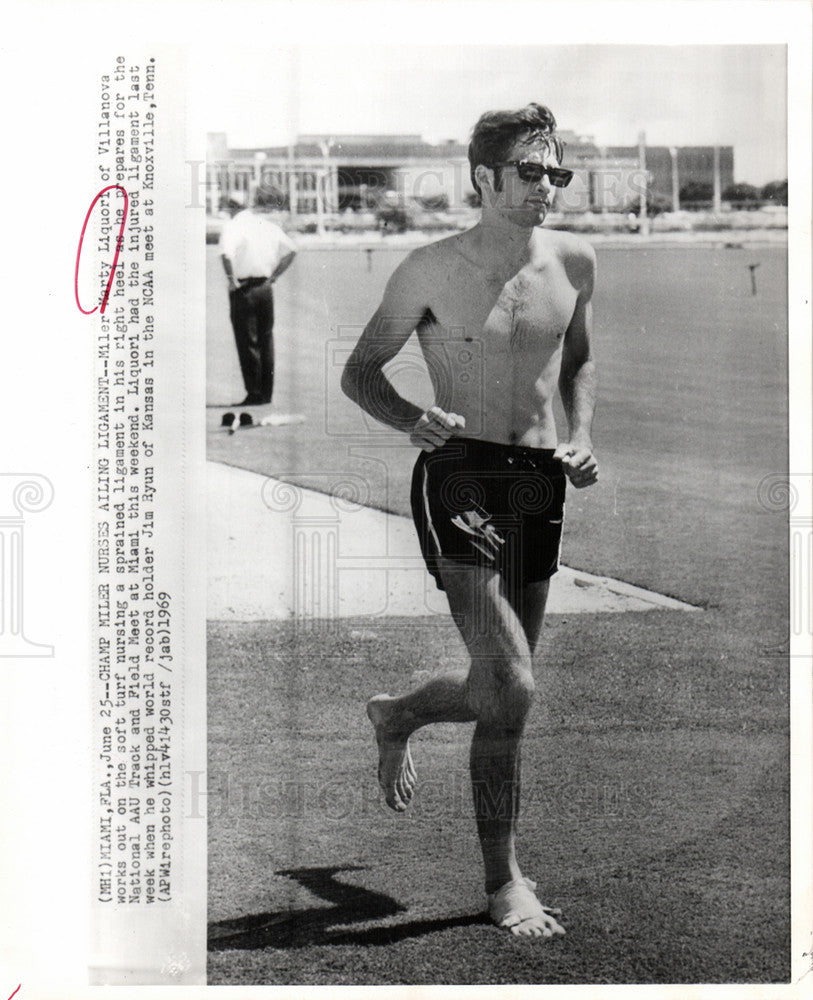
[(579, 464), (434, 428)]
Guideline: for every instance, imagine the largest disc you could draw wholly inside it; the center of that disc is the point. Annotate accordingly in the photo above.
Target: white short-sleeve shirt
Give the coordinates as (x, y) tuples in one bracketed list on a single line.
[(254, 245)]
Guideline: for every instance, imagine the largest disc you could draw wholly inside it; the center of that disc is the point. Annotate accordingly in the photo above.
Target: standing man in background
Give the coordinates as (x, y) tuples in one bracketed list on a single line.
[(255, 252)]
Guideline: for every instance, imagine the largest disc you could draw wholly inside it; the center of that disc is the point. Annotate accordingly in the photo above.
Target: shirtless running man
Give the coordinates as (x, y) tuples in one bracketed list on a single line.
[(503, 316)]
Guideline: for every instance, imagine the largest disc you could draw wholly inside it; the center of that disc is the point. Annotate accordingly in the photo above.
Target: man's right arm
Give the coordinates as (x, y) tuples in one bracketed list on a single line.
[(226, 252), (363, 380), (229, 271)]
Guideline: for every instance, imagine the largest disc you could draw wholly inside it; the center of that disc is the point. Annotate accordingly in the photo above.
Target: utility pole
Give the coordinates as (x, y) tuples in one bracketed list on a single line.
[(322, 181), (293, 124), (717, 204), (599, 180), (675, 180), (257, 180), (643, 218)]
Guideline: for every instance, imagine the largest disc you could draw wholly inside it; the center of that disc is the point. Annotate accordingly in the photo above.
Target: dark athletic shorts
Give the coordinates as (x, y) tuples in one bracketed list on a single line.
[(486, 504)]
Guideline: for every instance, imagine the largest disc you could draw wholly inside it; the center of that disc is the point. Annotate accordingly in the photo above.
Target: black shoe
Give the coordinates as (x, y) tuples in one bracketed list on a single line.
[(246, 420)]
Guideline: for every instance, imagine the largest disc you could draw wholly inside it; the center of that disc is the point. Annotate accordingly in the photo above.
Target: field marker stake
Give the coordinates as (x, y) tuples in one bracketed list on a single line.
[(752, 268)]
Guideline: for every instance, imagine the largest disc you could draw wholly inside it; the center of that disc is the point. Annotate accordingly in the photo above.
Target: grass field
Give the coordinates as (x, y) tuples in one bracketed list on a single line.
[(655, 799)]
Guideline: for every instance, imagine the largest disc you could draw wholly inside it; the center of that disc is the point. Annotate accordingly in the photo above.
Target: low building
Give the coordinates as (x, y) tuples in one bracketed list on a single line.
[(321, 174), (685, 164)]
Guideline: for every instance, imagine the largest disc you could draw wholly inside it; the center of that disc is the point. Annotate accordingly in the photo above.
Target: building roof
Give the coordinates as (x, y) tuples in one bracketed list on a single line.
[(370, 148), (352, 139), (381, 150), (664, 150), (377, 148)]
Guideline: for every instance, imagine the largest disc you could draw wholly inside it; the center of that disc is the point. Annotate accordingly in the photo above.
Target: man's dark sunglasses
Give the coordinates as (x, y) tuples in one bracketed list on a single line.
[(530, 171)]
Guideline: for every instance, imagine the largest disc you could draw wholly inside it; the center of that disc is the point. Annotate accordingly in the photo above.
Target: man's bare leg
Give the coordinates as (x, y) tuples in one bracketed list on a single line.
[(495, 752), (496, 693), (531, 610), (442, 699), (501, 689)]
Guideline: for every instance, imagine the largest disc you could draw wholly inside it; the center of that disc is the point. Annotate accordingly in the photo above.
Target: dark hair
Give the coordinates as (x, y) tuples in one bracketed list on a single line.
[(497, 131)]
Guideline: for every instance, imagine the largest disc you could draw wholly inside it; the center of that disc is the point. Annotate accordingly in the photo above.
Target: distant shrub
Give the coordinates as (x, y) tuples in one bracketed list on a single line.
[(391, 218), (655, 205), (775, 192), (742, 194), (696, 192)]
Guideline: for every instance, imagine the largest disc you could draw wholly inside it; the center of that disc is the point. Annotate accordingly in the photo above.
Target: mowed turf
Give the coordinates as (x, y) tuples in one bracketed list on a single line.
[(655, 762)]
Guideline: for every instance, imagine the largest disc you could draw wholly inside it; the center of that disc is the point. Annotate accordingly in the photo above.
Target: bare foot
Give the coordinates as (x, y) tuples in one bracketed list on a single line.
[(516, 908), (396, 773)]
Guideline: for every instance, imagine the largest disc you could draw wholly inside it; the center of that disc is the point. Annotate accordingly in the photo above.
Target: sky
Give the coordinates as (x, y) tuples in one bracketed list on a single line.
[(682, 95)]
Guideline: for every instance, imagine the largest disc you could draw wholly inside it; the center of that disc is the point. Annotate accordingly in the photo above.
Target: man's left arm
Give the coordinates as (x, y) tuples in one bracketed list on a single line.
[(577, 382)]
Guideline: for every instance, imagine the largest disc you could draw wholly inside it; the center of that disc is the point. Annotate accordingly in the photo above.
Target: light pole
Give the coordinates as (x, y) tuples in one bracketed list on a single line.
[(643, 224), (321, 185), (675, 179), (259, 159), (717, 204)]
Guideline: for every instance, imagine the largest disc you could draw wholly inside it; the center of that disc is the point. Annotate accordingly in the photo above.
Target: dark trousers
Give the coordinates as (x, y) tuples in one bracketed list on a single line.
[(252, 319)]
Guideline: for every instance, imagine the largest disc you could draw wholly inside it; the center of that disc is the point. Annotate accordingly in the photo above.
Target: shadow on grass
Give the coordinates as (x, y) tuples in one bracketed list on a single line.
[(322, 925)]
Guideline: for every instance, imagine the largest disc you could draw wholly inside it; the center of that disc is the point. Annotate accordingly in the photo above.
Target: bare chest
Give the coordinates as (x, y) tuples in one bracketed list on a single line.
[(526, 315)]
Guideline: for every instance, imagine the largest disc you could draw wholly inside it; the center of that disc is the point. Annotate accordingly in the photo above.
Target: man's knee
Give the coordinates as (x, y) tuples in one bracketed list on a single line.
[(502, 693), (517, 696)]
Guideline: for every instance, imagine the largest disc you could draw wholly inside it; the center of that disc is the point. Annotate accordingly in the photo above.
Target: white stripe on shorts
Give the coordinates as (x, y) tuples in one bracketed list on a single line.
[(428, 512)]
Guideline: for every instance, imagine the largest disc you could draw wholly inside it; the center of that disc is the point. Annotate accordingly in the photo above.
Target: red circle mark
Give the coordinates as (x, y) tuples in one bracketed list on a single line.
[(14, 994), (89, 312)]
